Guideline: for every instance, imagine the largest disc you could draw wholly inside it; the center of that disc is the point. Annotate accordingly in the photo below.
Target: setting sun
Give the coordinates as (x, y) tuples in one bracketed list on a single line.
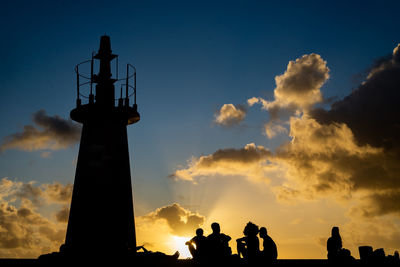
[(178, 243)]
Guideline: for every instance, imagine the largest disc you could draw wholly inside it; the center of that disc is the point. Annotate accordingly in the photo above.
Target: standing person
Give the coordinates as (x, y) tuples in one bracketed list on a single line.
[(199, 241), (249, 245), (218, 243), (334, 244), (270, 252)]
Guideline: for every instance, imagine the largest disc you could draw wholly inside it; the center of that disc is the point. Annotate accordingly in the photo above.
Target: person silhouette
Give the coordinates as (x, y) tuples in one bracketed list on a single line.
[(150, 255), (249, 245), (270, 252), (218, 243), (200, 242), (334, 244)]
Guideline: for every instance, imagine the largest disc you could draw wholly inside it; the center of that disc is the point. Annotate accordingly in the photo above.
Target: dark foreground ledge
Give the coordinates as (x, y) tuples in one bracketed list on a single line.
[(179, 263)]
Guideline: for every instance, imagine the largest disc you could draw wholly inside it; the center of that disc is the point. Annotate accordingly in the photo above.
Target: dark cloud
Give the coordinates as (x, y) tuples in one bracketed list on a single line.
[(381, 203), (372, 111), (18, 226), (181, 221), (250, 153), (63, 214), (48, 133), (51, 234), (30, 192)]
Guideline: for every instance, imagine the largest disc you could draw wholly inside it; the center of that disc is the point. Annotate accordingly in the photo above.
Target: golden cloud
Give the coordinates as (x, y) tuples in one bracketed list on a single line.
[(63, 214), (248, 161), (230, 115), (298, 88), (181, 221), (272, 129), (300, 84), (351, 151), (24, 232)]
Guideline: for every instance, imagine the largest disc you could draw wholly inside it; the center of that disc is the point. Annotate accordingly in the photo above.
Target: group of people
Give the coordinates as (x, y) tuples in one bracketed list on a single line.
[(215, 246)]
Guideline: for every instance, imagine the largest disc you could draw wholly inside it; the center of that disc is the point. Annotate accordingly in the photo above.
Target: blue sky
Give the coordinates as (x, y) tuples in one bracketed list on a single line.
[(191, 58)]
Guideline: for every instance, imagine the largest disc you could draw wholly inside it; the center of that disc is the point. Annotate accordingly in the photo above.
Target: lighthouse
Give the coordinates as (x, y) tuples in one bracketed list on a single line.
[(101, 218)]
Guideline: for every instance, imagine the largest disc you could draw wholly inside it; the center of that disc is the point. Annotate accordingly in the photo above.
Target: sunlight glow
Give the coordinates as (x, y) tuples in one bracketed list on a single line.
[(178, 242)]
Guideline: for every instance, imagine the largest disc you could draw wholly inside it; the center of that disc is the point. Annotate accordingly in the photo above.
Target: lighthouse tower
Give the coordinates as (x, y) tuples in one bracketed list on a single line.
[(101, 218)]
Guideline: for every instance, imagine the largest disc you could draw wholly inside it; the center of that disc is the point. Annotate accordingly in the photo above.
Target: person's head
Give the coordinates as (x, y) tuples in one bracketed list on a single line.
[(199, 232), (215, 227), (335, 231), (263, 232), (250, 229)]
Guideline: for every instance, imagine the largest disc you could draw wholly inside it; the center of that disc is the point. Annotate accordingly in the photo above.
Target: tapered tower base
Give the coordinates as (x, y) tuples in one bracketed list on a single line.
[(101, 221)]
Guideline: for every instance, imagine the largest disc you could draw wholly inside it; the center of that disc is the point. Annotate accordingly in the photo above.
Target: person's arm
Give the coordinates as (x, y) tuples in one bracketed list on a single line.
[(141, 247), (191, 241), (242, 239)]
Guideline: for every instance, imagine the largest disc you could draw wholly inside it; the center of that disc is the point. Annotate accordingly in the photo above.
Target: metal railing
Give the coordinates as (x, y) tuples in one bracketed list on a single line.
[(130, 90)]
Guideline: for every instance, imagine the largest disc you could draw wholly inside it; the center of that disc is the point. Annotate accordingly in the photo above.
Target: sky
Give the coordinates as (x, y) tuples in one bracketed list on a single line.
[(283, 113)]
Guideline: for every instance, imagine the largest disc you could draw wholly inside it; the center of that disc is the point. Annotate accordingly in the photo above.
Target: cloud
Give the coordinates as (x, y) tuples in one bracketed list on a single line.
[(182, 222), (272, 129), (37, 194), (29, 192), (371, 111), (248, 161), (254, 100), (322, 159), (350, 152), (63, 214), (372, 114), (24, 231), (230, 115), (298, 88), (380, 232), (48, 133), (300, 84), (57, 193)]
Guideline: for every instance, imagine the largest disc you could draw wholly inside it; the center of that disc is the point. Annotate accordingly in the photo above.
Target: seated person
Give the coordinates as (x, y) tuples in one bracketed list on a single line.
[(249, 246), (218, 243), (270, 252), (197, 245), (334, 244)]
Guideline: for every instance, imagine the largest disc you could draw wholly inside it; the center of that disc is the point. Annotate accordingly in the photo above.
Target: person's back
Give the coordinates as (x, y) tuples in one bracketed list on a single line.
[(253, 246), (217, 243), (249, 245), (334, 244), (270, 251), (197, 245), (200, 242)]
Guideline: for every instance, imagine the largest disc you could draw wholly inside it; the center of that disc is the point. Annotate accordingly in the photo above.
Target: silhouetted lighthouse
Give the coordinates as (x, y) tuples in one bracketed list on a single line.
[(101, 217)]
